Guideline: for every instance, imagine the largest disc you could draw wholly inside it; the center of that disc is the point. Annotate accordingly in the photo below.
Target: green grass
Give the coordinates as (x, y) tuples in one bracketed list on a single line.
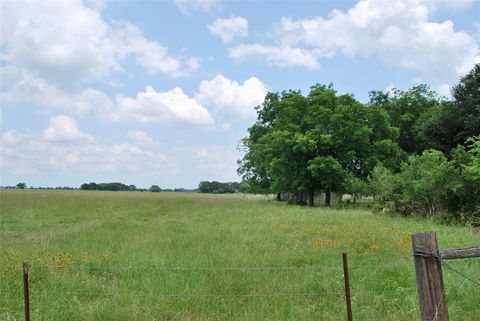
[(126, 243)]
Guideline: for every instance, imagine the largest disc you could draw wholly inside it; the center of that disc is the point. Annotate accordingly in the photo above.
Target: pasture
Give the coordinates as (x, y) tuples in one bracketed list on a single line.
[(178, 256)]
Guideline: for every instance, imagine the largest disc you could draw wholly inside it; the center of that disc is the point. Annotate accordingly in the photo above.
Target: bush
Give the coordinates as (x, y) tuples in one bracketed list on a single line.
[(433, 186)]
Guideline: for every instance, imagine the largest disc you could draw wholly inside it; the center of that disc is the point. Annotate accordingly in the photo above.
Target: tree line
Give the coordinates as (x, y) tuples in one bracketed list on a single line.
[(117, 186), (215, 187), (412, 149)]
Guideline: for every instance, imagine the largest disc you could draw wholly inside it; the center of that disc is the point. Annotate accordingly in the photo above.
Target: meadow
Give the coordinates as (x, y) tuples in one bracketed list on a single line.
[(185, 256)]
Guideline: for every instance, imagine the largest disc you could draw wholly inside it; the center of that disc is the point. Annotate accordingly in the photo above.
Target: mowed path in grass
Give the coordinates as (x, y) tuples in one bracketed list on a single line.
[(114, 256)]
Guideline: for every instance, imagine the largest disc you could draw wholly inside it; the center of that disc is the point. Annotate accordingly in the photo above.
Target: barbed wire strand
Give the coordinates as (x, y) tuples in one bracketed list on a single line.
[(187, 268), (187, 295), (448, 266), (331, 293), (435, 255)]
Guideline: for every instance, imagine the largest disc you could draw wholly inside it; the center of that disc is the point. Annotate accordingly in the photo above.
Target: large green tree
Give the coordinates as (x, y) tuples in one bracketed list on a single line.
[(315, 143), (408, 110), (457, 120)]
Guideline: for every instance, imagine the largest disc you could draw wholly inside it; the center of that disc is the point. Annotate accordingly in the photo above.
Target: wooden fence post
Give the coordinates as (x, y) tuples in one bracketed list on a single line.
[(26, 291), (428, 269), (347, 287)]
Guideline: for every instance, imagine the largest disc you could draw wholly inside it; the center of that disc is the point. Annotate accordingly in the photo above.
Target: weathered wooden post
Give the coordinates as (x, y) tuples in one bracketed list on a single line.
[(428, 269), (347, 287), (26, 292)]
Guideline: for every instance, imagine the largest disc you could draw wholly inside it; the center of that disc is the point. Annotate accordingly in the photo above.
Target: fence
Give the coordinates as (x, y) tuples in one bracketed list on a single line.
[(428, 267), (428, 261)]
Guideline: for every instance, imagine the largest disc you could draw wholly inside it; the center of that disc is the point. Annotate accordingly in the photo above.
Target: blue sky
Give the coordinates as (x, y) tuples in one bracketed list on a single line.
[(157, 92)]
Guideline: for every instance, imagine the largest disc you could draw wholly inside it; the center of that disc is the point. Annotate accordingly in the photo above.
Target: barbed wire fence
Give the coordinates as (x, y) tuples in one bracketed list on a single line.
[(337, 294)]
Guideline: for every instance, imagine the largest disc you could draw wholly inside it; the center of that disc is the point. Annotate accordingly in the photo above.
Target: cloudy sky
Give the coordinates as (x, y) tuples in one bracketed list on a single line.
[(158, 92)]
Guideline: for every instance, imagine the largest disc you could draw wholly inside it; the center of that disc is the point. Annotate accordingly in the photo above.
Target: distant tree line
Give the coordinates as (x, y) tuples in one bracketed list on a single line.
[(24, 186), (157, 189), (413, 151), (215, 187), (115, 186)]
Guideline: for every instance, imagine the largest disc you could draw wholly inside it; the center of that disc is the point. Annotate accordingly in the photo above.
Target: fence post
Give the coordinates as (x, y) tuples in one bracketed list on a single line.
[(26, 292), (428, 269), (347, 287)]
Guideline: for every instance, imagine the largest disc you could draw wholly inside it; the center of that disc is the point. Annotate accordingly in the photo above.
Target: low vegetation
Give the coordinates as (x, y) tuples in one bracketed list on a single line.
[(115, 256)]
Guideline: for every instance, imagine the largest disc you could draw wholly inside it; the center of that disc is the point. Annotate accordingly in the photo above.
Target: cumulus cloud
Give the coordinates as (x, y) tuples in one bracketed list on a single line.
[(226, 95), (12, 137), (150, 106), (69, 43), (228, 29), (141, 138), (225, 127), (448, 5), (130, 40), (187, 6), (282, 56), (63, 147), (211, 161), (63, 129), (30, 155), (21, 86), (399, 33)]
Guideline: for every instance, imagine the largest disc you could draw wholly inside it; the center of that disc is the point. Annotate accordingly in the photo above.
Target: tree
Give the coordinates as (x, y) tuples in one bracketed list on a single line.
[(89, 186), (307, 144), (21, 185), (467, 101), (350, 139), (408, 110), (457, 120), (155, 189), (218, 187)]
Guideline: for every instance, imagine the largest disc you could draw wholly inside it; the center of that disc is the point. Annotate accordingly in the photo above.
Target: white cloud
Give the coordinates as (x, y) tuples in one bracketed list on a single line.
[(69, 43), (228, 29), (126, 149), (226, 127), (29, 156), (149, 54), (97, 5), (391, 88), (12, 137), (63, 129), (444, 90), (211, 162), (150, 106), (50, 50), (68, 150), (447, 4), (187, 6), (227, 95), (20, 86), (141, 138), (283, 56), (399, 33)]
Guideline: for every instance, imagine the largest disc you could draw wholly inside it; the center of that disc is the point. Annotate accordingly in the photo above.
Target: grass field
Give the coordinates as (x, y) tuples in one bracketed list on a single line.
[(114, 256)]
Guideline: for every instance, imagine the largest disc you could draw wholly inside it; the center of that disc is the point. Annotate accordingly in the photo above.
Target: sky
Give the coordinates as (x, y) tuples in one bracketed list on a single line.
[(162, 92)]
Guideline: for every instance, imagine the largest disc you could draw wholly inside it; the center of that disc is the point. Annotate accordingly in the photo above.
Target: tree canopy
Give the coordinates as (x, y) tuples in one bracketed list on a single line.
[(410, 148), (316, 142), (218, 187)]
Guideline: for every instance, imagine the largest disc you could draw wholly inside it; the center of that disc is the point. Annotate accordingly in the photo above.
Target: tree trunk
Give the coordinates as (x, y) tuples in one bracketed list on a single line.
[(279, 197), (327, 197), (311, 195), (301, 197)]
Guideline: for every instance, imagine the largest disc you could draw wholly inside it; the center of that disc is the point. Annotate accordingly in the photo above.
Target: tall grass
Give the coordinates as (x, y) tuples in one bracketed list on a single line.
[(116, 256)]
